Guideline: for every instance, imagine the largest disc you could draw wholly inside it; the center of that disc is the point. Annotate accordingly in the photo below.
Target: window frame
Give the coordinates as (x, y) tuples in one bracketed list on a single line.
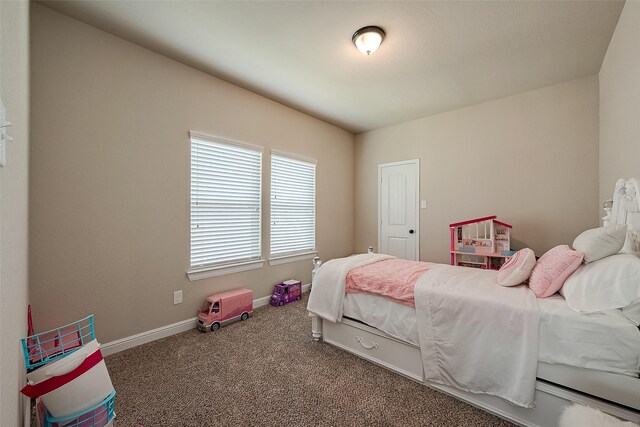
[(283, 258), (198, 272)]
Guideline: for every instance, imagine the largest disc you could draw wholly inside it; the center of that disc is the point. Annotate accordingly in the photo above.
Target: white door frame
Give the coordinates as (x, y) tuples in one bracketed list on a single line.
[(417, 228)]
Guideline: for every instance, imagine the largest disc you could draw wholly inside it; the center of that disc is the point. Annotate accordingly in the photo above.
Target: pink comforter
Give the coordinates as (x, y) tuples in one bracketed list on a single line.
[(392, 278)]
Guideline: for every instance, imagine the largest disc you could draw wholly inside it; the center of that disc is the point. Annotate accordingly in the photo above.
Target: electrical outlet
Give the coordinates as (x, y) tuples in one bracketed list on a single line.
[(177, 297), (423, 204)]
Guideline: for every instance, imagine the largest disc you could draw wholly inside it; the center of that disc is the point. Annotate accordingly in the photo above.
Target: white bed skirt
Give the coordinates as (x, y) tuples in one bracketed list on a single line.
[(556, 387)]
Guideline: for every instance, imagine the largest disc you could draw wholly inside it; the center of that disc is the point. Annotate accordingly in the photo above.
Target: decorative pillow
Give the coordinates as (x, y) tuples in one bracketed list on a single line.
[(598, 243), (517, 269), (632, 242), (612, 282), (552, 269)]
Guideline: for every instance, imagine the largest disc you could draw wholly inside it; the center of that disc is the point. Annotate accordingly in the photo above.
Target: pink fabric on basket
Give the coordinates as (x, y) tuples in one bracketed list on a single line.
[(392, 278)]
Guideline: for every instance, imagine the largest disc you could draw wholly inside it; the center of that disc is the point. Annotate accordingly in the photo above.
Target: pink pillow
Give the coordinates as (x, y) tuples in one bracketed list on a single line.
[(517, 269), (552, 269)]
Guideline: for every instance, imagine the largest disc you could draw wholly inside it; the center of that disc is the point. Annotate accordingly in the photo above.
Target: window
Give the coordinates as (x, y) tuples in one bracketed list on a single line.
[(293, 208), (226, 181)]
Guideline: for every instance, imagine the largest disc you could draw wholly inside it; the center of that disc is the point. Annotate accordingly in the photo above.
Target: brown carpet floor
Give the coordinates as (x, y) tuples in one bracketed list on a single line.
[(267, 371)]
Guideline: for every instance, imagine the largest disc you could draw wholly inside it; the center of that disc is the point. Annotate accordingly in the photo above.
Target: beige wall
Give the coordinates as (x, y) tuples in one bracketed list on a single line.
[(531, 159), (110, 178), (620, 103), (14, 90)]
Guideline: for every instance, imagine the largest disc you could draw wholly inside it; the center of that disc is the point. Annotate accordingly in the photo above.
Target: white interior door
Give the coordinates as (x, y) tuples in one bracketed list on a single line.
[(398, 198)]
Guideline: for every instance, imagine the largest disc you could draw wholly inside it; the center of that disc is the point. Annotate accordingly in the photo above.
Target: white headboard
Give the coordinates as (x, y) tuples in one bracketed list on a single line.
[(626, 203)]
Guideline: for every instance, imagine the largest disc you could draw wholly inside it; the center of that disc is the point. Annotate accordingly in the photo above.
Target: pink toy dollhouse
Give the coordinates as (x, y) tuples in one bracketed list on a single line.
[(480, 243)]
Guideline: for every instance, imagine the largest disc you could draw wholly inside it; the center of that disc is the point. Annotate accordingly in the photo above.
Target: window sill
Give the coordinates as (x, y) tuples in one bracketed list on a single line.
[(207, 272), (292, 258)]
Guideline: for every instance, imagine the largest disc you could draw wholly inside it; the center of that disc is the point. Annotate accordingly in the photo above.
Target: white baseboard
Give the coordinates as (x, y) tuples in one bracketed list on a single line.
[(168, 330), (147, 336)]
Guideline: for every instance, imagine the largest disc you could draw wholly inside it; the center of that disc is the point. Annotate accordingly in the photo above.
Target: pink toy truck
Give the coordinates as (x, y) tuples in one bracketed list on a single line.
[(225, 307), (286, 292)]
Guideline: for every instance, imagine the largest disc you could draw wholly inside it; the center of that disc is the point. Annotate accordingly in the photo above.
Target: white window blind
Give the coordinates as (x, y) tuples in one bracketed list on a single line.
[(293, 206), (226, 183)]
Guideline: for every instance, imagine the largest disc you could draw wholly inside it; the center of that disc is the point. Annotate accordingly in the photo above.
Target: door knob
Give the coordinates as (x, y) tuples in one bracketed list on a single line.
[(411, 231)]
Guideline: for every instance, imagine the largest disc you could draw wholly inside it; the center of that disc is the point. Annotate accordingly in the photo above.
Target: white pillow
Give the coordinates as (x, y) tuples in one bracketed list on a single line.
[(517, 269), (598, 243), (612, 282), (632, 243)]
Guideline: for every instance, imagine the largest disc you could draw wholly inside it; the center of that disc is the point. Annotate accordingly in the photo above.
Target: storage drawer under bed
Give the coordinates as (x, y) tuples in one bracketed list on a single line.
[(375, 346), (405, 359)]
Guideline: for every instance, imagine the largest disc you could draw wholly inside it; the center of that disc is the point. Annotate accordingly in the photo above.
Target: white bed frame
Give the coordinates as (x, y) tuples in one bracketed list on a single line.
[(557, 386)]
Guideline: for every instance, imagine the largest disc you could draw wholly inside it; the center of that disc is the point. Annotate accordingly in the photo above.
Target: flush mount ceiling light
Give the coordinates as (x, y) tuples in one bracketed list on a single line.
[(368, 39)]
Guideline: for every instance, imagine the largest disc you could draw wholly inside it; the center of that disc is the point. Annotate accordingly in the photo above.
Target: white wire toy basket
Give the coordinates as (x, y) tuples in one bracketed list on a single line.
[(46, 347), (100, 415)]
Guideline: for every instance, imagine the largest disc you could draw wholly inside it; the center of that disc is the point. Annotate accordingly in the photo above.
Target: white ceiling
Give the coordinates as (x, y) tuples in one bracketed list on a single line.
[(438, 55)]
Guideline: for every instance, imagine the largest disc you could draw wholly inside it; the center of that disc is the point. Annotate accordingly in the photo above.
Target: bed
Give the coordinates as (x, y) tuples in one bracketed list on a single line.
[(592, 359)]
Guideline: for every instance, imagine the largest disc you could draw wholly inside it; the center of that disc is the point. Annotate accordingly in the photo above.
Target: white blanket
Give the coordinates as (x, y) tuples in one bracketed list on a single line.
[(478, 336), (327, 296)]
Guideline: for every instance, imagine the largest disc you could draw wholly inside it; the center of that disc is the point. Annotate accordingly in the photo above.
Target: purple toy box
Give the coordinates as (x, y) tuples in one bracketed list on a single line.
[(286, 292)]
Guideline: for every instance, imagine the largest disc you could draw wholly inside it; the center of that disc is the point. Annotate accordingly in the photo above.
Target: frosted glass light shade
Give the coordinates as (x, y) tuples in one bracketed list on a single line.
[(368, 39)]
